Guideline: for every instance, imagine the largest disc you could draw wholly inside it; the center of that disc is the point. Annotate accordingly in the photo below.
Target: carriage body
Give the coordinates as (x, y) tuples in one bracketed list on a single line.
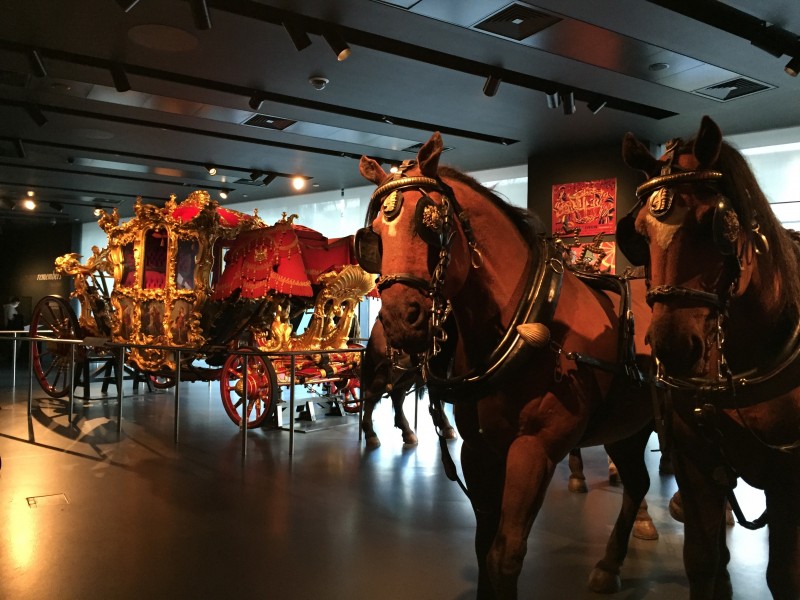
[(203, 280)]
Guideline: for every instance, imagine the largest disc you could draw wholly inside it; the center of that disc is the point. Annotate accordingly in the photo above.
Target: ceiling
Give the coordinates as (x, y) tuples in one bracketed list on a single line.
[(222, 82)]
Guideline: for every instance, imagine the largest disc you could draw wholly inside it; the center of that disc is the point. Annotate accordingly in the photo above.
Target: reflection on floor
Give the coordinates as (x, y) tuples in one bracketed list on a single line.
[(86, 514)]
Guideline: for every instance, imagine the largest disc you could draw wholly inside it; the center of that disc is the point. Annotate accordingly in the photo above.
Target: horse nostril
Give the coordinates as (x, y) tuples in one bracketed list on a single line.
[(414, 313)]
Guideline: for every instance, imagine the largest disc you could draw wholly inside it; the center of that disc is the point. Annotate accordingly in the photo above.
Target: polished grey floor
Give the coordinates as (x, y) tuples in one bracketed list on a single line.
[(86, 513)]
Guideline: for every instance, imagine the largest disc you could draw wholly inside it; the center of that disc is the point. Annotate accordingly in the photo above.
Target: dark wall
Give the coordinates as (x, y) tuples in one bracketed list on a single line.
[(588, 164), (27, 259)]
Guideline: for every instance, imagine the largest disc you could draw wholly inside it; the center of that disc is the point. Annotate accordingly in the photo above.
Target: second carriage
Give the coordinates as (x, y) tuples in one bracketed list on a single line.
[(200, 292)]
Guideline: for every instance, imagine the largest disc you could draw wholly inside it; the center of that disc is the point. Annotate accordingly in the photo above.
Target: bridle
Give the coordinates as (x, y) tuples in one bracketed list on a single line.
[(434, 223), (658, 193)]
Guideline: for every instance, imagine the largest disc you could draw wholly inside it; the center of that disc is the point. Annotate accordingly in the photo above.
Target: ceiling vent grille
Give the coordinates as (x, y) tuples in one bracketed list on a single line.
[(733, 89), (517, 22), (269, 122)]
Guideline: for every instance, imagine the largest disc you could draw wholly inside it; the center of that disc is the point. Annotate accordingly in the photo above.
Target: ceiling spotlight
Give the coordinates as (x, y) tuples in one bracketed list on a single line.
[(793, 67), (553, 99), (30, 193), (298, 183), (98, 210), (212, 170), (57, 206), (223, 193), (299, 37), (491, 85), (28, 204), (255, 175), (37, 66), (337, 44), (268, 179), (596, 105), (202, 20), (120, 77), (126, 5), (20, 148), (568, 102), (394, 169), (35, 113), (255, 100)]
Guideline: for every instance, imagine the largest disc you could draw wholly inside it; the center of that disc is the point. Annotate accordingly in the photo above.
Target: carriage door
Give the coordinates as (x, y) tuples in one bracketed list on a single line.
[(154, 279)]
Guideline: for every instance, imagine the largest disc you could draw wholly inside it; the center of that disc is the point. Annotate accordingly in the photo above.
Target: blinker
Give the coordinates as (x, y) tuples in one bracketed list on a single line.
[(429, 221), (726, 227), (368, 250)]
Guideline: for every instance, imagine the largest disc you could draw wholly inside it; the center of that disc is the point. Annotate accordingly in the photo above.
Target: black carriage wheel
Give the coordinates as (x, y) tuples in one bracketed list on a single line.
[(262, 387), (54, 318)]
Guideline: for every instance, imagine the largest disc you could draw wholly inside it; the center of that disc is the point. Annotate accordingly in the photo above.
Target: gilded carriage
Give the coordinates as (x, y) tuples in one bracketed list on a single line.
[(207, 292)]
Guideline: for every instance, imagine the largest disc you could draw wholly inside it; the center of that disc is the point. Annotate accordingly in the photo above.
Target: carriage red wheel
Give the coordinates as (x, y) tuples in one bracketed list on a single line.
[(54, 318), (262, 386), (351, 395)]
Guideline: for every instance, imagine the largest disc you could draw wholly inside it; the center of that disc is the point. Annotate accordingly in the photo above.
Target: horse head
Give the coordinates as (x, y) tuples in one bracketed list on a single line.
[(414, 239), (695, 231)]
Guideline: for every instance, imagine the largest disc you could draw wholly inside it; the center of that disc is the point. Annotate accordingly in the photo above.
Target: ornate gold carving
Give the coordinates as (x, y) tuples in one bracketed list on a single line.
[(432, 217)]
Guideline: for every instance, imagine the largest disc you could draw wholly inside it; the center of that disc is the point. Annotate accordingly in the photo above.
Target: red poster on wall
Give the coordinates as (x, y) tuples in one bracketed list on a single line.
[(590, 206)]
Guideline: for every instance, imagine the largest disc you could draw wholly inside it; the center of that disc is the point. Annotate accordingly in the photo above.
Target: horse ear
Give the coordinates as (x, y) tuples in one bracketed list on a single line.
[(637, 156), (371, 170), (707, 142), (428, 155)]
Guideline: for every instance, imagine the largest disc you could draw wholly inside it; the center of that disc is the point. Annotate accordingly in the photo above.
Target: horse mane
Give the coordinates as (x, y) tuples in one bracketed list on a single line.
[(780, 268), (528, 224)]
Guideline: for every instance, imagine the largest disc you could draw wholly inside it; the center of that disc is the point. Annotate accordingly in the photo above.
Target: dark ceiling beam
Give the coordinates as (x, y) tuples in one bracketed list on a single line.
[(424, 54), (189, 130), (767, 36), (248, 92), (139, 156)]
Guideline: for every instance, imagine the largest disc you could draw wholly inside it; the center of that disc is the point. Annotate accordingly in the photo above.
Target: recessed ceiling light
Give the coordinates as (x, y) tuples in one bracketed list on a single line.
[(658, 66)]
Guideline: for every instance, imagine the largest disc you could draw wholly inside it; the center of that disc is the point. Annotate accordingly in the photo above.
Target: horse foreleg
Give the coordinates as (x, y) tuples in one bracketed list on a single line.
[(483, 474), (783, 510), (529, 469), (370, 437), (398, 396), (577, 479), (705, 553), (628, 456)]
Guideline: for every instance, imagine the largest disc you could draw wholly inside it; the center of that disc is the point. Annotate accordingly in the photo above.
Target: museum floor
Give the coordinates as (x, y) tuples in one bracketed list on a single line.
[(86, 514)]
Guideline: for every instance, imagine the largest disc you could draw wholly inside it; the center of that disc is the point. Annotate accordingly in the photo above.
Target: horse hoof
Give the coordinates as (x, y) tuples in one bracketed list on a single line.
[(603, 582), (449, 434), (577, 485), (645, 530), (410, 440), (373, 442), (676, 508)]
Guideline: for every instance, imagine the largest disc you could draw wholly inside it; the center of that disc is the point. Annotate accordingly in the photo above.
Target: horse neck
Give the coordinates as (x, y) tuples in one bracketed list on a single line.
[(755, 327), (487, 302)]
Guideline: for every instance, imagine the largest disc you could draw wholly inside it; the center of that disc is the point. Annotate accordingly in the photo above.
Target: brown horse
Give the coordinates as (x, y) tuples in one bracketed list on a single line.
[(381, 375), (724, 279), (530, 354)]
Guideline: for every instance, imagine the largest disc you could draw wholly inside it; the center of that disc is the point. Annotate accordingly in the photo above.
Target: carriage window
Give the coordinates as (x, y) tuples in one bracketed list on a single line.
[(220, 252), (185, 263), (155, 259), (128, 266)]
